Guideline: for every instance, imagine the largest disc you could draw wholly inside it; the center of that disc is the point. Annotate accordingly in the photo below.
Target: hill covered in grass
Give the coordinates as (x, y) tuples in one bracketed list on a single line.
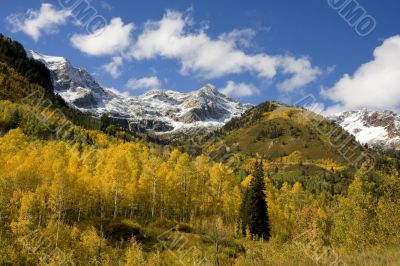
[(272, 130), (299, 145)]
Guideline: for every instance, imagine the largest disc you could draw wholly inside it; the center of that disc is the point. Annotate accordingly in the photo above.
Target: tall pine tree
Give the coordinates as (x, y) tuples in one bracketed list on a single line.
[(254, 210)]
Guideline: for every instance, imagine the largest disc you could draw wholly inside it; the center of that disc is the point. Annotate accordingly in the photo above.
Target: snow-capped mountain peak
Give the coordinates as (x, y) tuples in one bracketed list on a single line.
[(375, 128), (157, 110), (52, 61)]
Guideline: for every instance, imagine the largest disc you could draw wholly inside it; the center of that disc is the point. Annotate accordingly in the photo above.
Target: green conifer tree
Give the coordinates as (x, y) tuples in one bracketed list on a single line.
[(254, 210)]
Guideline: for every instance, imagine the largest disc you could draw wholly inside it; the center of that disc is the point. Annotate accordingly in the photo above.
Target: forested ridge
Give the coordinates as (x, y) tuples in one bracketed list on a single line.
[(73, 194)]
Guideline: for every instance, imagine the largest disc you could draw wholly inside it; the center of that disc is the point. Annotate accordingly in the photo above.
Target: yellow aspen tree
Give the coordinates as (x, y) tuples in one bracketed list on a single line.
[(231, 204), (353, 224), (134, 255), (150, 183), (26, 220), (90, 246), (185, 173), (388, 209), (117, 174), (201, 166), (220, 179)]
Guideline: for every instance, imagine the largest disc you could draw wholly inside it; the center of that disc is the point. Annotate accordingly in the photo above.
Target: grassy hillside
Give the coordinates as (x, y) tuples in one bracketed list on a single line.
[(272, 131), (299, 145)]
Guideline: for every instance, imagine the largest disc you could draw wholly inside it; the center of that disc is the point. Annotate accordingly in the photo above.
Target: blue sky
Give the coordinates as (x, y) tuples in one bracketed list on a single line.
[(252, 50)]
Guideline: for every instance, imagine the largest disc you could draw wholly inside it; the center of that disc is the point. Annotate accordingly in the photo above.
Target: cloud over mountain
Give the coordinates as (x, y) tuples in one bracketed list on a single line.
[(37, 22), (111, 39), (143, 83), (375, 84), (239, 89), (207, 57)]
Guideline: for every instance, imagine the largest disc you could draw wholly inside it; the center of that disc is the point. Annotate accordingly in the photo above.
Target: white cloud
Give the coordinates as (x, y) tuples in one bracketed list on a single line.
[(112, 39), (115, 91), (239, 89), (241, 37), (113, 68), (36, 22), (301, 70), (143, 83), (374, 85), (212, 58)]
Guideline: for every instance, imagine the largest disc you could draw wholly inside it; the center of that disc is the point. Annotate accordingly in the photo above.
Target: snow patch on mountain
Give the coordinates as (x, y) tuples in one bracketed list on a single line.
[(372, 127)]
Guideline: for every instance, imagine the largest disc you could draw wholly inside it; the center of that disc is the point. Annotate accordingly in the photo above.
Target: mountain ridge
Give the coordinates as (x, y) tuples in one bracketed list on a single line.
[(159, 110), (165, 111)]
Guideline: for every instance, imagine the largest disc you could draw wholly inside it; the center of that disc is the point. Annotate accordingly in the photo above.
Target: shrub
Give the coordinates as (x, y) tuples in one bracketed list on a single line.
[(122, 229), (184, 227), (164, 223)]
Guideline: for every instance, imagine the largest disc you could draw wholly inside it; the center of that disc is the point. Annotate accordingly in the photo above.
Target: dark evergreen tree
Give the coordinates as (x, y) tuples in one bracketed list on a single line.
[(15, 119), (254, 210), (105, 121), (13, 54), (243, 212)]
